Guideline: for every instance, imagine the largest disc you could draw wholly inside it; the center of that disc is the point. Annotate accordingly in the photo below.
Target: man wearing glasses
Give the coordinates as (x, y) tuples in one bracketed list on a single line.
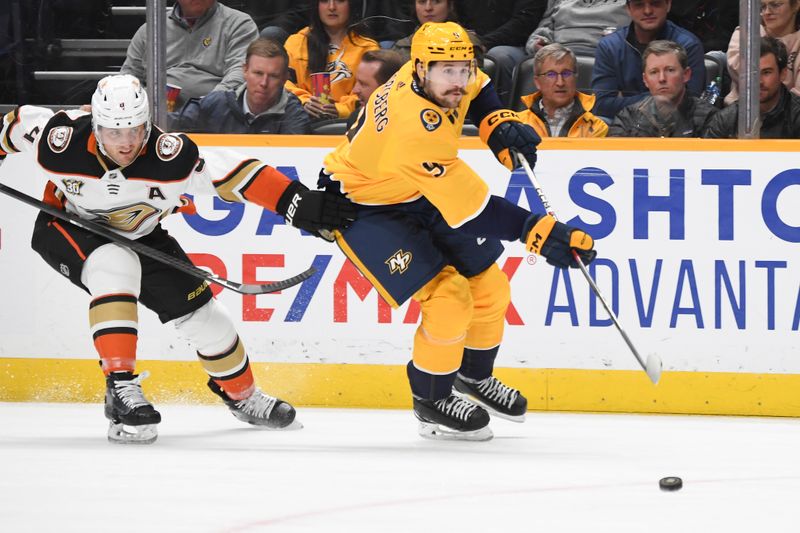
[(617, 75), (558, 109)]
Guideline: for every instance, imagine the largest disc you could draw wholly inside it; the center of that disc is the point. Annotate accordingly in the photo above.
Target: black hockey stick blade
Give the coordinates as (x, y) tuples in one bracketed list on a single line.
[(158, 255)]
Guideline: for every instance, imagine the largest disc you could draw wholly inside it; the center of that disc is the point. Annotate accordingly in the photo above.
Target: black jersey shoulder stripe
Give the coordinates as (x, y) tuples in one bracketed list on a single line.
[(76, 159), (149, 167)]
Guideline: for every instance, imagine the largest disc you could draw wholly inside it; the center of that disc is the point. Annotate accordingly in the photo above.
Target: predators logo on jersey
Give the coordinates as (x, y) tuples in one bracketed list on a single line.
[(399, 261), (431, 119)]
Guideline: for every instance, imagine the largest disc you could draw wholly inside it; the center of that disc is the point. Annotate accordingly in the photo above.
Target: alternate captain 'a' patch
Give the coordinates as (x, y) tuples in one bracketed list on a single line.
[(431, 119), (168, 146), (58, 138)]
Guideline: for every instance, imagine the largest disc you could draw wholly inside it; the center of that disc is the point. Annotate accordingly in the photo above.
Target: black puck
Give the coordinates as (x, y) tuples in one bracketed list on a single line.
[(670, 483)]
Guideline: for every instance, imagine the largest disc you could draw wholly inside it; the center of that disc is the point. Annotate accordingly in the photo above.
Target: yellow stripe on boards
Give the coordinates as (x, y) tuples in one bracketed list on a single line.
[(550, 143), (386, 386)]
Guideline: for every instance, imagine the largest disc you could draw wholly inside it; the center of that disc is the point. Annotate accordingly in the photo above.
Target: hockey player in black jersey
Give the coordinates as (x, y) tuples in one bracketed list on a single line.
[(114, 167)]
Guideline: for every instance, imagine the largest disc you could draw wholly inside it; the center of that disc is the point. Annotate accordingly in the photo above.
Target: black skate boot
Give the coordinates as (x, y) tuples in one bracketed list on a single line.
[(259, 409), (497, 398), (452, 418), (132, 418)]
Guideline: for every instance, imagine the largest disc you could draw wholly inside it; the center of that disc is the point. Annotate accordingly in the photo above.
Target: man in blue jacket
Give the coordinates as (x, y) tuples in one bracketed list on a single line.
[(617, 75), (260, 105)]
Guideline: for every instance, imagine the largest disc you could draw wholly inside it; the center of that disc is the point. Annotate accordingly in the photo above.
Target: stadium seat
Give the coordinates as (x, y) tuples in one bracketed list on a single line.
[(337, 126), (713, 69), (585, 67), (521, 84), (489, 67)]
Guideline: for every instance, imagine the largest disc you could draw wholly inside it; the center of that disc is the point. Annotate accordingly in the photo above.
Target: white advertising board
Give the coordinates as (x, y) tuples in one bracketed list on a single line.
[(698, 251)]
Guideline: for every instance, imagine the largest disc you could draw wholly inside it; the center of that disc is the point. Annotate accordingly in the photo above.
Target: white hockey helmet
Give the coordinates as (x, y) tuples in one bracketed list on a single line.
[(120, 101)]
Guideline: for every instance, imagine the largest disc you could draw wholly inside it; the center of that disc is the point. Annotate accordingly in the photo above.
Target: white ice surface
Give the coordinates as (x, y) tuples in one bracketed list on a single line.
[(368, 471)]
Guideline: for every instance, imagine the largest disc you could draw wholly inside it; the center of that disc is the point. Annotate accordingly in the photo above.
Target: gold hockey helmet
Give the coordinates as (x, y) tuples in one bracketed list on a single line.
[(441, 41)]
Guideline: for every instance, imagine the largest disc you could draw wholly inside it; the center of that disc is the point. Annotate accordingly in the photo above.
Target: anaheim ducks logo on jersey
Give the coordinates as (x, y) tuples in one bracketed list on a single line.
[(399, 261), (168, 146), (58, 138), (431, 119), (127, 218)]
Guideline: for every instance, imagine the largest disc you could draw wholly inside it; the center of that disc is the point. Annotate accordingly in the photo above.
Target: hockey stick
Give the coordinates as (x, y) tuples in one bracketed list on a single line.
[(653, 365), (158, 255)]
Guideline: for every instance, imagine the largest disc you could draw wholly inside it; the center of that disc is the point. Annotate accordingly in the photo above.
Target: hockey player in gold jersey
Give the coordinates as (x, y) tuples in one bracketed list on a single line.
[(113, 167), (429, 229)]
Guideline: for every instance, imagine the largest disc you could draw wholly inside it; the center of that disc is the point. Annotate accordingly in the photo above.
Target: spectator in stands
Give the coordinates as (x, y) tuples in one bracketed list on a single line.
[(617, 76), (578, 24), (382, 20), (329, 44), (261, 105), (712, 21), (375, 69), (669, 111), (436, 11), (558, 109), (779, 108), (779, 19), (503, 27), (206, 43), (277, 19)]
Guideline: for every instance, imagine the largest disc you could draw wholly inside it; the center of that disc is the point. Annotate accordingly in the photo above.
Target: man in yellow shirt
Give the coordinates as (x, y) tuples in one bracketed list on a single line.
[(428, 229), (558, 109)]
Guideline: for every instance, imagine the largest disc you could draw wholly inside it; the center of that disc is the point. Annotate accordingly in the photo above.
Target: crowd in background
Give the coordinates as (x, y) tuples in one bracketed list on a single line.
[(250, 66)]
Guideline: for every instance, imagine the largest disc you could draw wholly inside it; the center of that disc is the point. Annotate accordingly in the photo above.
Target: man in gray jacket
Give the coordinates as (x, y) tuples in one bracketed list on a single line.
[(206, 43), (578, 24), (261, 105), (669, 111)]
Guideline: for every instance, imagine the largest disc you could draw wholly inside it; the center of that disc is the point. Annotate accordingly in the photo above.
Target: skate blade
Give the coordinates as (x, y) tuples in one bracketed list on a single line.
[(492, 411), (124, 434), (296, 425), (432, 431)]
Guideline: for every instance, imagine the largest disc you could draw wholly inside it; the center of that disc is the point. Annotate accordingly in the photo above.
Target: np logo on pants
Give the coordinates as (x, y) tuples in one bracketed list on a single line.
[(399, 262)]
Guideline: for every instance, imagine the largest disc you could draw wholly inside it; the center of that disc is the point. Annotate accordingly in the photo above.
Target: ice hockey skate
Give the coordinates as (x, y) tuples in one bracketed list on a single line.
[(494, 396), (259, 409), (452, 418), (132, 419)]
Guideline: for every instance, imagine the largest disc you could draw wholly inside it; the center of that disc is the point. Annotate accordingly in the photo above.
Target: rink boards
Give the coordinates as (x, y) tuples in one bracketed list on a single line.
[(698, 253)]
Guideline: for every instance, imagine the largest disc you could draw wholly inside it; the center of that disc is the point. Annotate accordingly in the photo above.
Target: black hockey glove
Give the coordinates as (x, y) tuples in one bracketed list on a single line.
[(545, 236), (317, 212), (505, 134)]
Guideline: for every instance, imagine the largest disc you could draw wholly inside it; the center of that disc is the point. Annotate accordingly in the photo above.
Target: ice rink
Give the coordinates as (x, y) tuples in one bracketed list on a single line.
[(368, 471)]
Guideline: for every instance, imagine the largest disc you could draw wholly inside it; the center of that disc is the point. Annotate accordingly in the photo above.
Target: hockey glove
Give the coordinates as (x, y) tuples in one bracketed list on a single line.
[(545, 236), (505, 134), (317, 212)]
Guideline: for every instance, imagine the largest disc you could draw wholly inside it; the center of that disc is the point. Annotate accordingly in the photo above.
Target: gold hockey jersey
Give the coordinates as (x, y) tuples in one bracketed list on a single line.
[(403, 147)]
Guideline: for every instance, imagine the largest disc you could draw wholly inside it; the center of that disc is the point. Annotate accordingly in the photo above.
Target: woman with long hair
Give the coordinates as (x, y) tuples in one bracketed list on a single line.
[(329, 44), (779, 19), (435, 11)]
